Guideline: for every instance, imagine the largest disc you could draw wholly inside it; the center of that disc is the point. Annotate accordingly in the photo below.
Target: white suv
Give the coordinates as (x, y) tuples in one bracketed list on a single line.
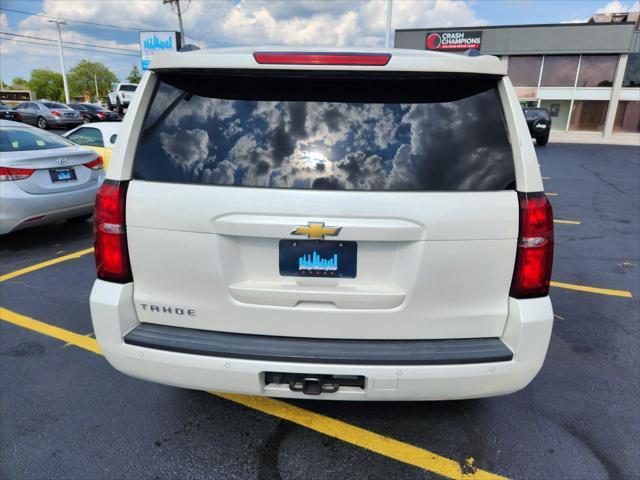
[(353, 226)]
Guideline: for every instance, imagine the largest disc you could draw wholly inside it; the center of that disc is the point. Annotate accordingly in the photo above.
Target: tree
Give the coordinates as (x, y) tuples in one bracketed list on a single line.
[(134, 75), (19, 83), (46, 84), (83, 77)]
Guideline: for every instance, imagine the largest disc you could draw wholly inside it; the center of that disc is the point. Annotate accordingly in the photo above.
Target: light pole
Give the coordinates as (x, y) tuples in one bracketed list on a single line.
[(95, 81), (177, 4), (64, 73), (387, 39)]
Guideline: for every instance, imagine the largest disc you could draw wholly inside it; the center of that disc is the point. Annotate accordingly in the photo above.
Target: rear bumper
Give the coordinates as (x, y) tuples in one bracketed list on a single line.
[(526, 335), (17, 207), (319, 350), (63, 122)]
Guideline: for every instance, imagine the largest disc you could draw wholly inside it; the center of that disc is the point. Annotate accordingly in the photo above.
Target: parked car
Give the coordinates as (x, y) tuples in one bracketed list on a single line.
[(7, 113), (94, 113), (121, 96), (353, 226), (44, 178), (100, 137), (539, 123), (45, 114)]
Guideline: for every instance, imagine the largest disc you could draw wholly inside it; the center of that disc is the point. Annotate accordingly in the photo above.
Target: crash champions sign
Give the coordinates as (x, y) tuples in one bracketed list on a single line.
[(453, 40)]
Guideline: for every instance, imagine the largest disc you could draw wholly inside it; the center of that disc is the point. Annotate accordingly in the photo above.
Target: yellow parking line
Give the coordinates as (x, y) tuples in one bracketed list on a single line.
[(567, 222), (48, 263), (67, 336), (601, 291), (388, 447)]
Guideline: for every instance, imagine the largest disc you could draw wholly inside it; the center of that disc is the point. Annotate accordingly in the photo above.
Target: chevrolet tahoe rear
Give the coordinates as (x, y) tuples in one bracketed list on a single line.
[(326, 224)]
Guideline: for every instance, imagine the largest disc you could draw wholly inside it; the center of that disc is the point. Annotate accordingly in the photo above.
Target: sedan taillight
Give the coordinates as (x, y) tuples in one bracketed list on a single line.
[(96, 164), (56, 113), (8, 173), (534, 256), (109, 233)]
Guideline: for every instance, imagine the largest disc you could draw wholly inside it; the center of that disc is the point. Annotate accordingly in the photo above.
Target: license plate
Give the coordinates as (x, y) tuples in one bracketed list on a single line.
[(318, 258), (62, 174)]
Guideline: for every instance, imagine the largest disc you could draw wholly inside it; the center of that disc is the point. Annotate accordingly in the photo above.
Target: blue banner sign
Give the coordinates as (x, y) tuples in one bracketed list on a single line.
[(154, 42)]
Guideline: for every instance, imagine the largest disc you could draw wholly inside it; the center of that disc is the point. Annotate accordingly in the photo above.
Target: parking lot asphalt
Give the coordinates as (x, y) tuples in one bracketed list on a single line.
[(65, 413)]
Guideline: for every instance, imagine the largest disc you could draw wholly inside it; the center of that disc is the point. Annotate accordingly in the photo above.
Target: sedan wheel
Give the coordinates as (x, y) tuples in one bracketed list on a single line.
[(42, 123), (86, 120)]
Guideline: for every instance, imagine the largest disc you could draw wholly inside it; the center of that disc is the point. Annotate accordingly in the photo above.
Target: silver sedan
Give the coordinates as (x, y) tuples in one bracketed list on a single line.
[(45, 114), (44, 178)]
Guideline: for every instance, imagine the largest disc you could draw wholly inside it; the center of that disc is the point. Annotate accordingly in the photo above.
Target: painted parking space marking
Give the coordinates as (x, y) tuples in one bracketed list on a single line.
[(546, 178), (567, 222), (600, 291), (66, 336), (48, 263), (360, 437), (552, 194), (388, 447)]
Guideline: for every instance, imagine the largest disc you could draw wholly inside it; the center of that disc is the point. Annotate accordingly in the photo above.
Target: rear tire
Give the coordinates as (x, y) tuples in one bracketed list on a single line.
[(542, 141), (41, 122), (119, 108), (86, 119)]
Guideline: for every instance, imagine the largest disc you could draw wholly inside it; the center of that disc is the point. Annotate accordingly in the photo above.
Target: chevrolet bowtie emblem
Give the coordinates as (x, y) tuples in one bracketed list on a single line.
[(316, 230)]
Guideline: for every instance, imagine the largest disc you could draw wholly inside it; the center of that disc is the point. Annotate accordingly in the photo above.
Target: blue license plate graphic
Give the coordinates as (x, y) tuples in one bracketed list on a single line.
[(62, 174), (318, 258)]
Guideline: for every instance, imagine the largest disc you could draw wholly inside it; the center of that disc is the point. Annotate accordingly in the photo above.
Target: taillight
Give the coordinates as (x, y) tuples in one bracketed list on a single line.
[(56, 113), (284, 58), (17, 116), (8, 173), (96, 164), (534, 256), (109, 233), (100, 115)]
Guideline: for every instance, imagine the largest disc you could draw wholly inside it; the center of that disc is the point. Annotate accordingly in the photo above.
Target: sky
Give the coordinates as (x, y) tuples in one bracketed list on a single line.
[(221, 23)]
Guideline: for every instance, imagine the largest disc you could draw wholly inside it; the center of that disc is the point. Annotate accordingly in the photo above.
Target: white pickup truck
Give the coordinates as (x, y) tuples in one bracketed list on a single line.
[(118, 99)]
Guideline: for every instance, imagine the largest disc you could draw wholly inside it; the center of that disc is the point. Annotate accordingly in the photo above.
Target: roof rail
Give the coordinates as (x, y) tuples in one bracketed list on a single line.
[(189, 47)]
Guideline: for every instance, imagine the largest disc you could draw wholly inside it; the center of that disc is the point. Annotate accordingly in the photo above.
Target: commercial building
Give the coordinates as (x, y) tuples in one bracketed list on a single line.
[(586, 74)]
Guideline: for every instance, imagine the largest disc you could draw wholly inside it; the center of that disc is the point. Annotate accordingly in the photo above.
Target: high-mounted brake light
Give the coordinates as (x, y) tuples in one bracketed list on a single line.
[(284, 58), (9, 173), (96, 164), (109, 233), (534, 257)]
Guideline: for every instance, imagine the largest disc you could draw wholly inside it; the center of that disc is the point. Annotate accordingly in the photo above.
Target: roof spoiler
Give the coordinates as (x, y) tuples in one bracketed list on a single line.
[(472, 52), (189, 47)]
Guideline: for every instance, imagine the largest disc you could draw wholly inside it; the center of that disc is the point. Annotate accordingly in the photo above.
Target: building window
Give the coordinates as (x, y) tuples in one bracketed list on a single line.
[(588, 115), (559, 113), (524, 71), (597, 70), (627, 117), (559, 71), (632, 73)]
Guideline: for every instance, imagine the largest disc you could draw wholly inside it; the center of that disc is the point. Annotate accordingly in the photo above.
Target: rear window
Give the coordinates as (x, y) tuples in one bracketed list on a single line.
[(19, 139), (398, 132), (533, 113), (53, 105), (95, 108), (128, 88)]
